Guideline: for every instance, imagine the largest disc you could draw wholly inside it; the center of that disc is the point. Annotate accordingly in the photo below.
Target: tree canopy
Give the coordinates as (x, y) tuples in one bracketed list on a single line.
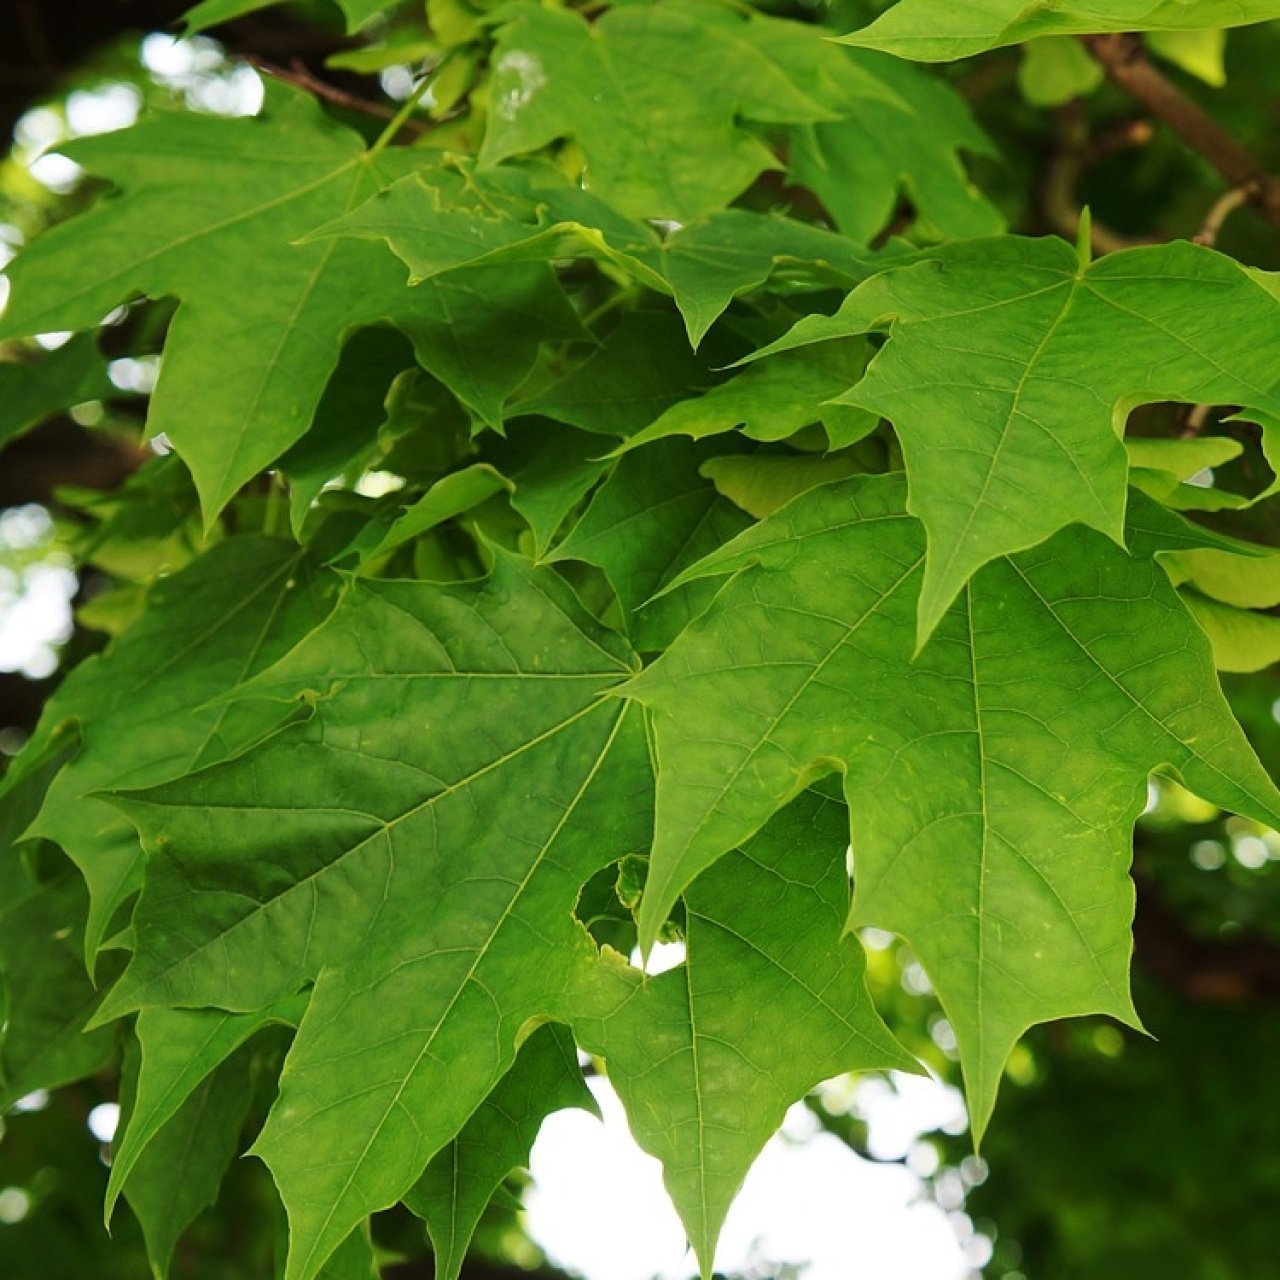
[(542, 480)]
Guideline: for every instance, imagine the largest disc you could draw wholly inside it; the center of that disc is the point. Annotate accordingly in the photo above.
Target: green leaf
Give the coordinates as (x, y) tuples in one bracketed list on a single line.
[(458, 1184), (443, 220), (1055, 69), (47, 996), (553, 467), (145, 707), (209, 13), (939, 31), (417, 848), (348, 417), (180, 1049), (774, 398), (991, 803), (759, 485), (178, 1174), (198, 189), (1004, 442), (653, 95), (906, 139), (33, 390), (1242, 640), (450, 496), (1198, 53), (770, 1001), (1246, 581), (650, 520), (644, 366)]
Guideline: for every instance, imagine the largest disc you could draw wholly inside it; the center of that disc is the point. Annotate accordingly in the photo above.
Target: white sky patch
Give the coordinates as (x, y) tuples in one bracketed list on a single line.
[(598, 1206), (664, 956), (102, 110), (103, 1121), (35, 601)]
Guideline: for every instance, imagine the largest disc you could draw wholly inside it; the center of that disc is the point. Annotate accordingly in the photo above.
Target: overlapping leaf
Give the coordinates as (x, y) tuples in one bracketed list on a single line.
[(939, 31), (442, 220), (652, 94), (909, 140), (458, 1184), (648, 522), (1006, 437), (992, 781), (32, 390), (417, 848), (148, 708), (769, 1002), (254, 341)]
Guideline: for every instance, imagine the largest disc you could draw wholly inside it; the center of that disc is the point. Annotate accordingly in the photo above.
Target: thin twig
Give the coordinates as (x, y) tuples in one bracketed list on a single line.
[(299, 74), (1195, 422), (1123, 57), (1221, 209), (403, 119)]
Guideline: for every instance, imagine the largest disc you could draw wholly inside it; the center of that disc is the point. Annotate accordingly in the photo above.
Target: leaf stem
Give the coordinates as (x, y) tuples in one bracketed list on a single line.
[(401, 117), (275, 517)]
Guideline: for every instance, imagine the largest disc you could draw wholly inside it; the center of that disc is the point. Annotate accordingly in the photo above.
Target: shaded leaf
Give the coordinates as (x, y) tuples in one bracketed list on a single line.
[(458, 1184), (651, 519), (33, 390)]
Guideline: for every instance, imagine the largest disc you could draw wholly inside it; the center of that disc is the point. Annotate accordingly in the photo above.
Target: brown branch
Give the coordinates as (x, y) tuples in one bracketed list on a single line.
[(298, 74), (1124, 59)]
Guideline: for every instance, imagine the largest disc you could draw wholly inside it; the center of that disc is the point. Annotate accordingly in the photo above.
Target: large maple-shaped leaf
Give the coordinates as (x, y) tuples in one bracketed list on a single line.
[(939, 30), (993, 780), (417, 847), (148, 706), (653, 95), (1005, 439), (254, 341), (769, 1002)]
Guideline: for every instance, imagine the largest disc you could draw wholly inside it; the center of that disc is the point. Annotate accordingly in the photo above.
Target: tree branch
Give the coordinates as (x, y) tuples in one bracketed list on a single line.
[(1124, 59), (299, 74)]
